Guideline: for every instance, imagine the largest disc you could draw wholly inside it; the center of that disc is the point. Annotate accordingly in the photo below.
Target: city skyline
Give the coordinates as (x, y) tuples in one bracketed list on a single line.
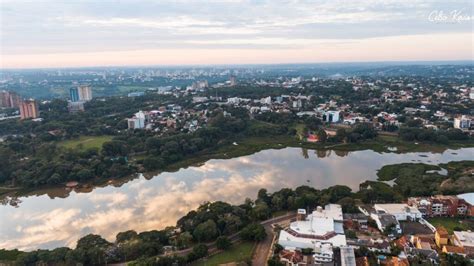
[(139, 33)]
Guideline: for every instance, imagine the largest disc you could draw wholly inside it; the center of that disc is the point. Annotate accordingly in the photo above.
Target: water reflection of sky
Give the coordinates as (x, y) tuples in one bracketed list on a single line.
[(141, 204)]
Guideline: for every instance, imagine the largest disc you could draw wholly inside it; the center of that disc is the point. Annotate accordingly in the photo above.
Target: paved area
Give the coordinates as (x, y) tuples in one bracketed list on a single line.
[(262, 250)]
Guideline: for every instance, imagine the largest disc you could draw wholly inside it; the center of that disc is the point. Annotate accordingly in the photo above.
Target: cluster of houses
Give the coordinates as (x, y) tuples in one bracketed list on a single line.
[(327, 236), (170, 117)]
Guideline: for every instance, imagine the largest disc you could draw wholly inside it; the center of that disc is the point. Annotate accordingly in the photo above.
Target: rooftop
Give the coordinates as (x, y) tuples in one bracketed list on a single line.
[(469, 197), (465, 238)]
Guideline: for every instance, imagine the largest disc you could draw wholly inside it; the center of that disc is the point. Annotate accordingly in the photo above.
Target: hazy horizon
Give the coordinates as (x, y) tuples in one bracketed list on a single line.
[(57, 34)]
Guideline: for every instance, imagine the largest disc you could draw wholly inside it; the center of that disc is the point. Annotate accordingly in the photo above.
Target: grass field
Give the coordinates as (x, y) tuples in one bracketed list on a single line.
[(85, 142), (239, 252), (451, 223), (131, 88)]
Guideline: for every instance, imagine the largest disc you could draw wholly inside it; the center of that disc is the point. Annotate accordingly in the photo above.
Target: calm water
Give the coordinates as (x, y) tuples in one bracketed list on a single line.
[(55, 218)]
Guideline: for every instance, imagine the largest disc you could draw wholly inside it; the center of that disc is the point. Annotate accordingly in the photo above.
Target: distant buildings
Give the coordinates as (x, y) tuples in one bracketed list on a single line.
[(29, 109), (80, 94), (331, 116), (136, 94), (233, 80), (74, 107), (462, 122), (137, 121), (9, 99), (201, 84)]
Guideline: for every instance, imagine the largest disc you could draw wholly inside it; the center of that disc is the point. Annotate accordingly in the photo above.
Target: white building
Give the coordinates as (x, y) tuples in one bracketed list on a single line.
[(402, 212), (348, 256), (137, 121), (464, 239), (85, 93), (462, 122), (266, 100), (332, 116), (320, 231)]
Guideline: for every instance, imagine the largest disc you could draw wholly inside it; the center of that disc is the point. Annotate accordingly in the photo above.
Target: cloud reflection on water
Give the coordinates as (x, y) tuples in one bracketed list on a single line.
[(140, 204)]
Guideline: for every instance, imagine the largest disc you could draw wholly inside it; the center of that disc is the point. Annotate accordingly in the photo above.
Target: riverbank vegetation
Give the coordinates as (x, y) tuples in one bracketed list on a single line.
[(417, 179)]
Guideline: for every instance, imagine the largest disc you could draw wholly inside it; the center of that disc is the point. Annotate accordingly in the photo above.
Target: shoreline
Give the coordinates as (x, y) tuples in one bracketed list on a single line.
[(245, 147)]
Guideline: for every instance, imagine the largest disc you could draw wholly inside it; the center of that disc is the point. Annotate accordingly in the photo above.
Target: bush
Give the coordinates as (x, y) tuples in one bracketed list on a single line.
[(223, 243)]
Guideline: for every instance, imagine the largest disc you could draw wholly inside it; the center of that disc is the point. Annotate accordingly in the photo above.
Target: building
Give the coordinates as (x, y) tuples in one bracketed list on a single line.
[(385, 221), (80, 94), (74, 107), (331, 116), (441, 237), (441, 205), (9, 99), (347, 256), (136, 94), (462, 122), (468, 198), (320, 231), (74, 94), (357, 221), (233, 80), (137, 121), (464, 239), (291, 257), (29, 109), (402, 212), (454, 250)]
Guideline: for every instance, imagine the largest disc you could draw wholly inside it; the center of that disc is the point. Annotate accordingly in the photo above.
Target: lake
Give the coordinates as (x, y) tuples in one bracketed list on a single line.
[(57, 217)]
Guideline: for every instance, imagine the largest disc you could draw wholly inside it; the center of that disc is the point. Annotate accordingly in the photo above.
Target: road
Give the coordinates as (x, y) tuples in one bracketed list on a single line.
[(260, 255), (262, 250)]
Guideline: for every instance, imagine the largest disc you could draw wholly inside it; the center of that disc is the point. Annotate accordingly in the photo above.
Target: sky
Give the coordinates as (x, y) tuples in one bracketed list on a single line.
[(73, 33)]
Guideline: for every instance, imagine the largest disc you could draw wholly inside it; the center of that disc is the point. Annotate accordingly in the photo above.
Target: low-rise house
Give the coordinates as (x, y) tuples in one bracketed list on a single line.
[(292, 258), (441, 236), (429, 254), (402, 212), (356, 221), (464, 239), (453, 250), (423, 242)]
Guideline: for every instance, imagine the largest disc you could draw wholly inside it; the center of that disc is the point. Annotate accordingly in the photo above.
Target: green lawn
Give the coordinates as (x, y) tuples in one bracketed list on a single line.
[(451, 223), (239, 252), (85, 142)]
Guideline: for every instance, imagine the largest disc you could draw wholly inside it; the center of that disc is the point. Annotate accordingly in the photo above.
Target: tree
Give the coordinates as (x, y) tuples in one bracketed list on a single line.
[(205, 231), (125, 236), (153, 163), (253, 232), (261, 211), (91, 240), (223, 243), (184, 240), (322, 136), (199, 251), (115, 148), (275, 261)]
